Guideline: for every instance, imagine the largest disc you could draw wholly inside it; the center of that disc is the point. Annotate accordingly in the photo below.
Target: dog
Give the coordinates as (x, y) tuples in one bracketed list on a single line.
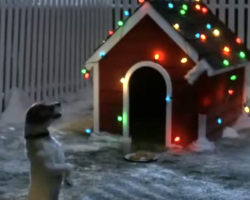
[(48, 169)]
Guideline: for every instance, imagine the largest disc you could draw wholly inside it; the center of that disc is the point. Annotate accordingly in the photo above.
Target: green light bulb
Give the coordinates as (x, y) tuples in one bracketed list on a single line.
[(226, 62), (120, 23), (119, 118), (84, 71), (184, 7), (183, 12), (233, 77), (242, 54)]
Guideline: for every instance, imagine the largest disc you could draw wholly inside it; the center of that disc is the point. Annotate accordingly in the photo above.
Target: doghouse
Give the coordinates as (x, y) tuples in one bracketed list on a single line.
[(170, 72)]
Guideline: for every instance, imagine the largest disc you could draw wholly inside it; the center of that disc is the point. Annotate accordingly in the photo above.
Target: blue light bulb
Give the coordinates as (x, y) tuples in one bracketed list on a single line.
[(102, 54), (126, 13), (197, 35), (168, 99), (170, 5), (88, 130), (219, 121), (209, 26)]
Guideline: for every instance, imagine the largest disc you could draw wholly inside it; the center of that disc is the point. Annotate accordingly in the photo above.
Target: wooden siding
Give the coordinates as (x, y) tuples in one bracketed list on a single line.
[(140, 44), (215, 101)]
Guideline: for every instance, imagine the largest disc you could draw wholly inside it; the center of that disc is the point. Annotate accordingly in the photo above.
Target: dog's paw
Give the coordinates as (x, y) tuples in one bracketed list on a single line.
[(68, 182), (68, 178), (69, 167)]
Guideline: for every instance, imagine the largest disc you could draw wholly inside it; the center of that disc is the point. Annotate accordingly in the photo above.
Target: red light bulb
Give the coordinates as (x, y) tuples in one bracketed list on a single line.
[(87, 75), (203, 37), (226, 49), (141, 1), (204, 10), (238, 40), (177, 139), (111, 32), (230, 92)]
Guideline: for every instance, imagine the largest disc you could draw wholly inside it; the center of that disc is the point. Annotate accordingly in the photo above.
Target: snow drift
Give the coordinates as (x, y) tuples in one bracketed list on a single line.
[(73, 105), (16, 108), (242, 123), (202, 145), (229, 132)]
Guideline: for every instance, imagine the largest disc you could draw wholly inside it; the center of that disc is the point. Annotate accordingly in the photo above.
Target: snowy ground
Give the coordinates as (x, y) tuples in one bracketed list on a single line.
[(102, 174)]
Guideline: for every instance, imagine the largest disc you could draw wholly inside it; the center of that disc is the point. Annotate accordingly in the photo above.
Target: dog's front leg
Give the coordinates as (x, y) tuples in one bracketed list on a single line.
[(59, 169), (68, 179)]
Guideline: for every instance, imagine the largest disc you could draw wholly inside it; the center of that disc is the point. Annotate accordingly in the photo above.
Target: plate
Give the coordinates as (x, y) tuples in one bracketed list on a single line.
[(127, 158)]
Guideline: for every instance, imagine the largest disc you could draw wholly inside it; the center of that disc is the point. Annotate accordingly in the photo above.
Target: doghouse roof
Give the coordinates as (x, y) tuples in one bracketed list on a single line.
[(195, 22)]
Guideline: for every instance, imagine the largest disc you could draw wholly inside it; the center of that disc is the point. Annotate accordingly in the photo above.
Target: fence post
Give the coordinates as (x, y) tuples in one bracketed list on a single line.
[(15, 44), (58, 35), (27, 64), (51, 51), (46, 52), (33, 68), (62, 54), (78, 45), (2, 49), (72, 46), (40, 43), (9, 51)]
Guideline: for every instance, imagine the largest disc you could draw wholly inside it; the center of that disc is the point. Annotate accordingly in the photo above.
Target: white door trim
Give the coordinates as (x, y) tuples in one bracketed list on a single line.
[(168, 82), (202, 124), (96, 113)]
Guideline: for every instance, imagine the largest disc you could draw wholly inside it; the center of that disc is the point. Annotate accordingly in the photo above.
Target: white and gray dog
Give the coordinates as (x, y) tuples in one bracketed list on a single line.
[(48, 168)]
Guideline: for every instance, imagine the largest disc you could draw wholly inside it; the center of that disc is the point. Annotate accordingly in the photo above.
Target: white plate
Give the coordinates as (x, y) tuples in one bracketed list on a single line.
[(127, 157)]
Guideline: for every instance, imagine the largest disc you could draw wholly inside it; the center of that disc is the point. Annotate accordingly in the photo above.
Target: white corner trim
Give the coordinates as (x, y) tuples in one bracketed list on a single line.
[(146, 9), (193, 74), (202, 143), (96, 115), (247, 68), (202, 130), (168, 82), (89, 66)]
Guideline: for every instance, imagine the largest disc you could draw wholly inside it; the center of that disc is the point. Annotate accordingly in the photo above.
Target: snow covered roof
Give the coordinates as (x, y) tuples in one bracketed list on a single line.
[(195, 22)]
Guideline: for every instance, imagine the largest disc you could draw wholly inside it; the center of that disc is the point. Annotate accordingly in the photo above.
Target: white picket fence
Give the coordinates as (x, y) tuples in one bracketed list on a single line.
[(44, 43)]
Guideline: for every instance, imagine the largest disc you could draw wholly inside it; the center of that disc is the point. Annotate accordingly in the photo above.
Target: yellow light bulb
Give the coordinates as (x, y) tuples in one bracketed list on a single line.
[(216, 32), (184, 60), (122, 80), (197, 0), (176, 26), (247, 110)]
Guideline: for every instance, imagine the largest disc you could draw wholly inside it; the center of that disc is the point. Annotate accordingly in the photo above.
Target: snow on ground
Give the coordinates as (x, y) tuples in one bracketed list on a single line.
[(229, 132), (15, 111), (102, 174), (242, 123), (202, 145)]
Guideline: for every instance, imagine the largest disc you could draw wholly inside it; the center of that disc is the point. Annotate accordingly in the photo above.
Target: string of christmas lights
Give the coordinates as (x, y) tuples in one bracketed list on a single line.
[(200, 36)]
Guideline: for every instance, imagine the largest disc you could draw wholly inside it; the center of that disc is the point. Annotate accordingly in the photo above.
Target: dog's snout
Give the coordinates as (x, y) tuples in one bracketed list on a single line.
[(58, 104)]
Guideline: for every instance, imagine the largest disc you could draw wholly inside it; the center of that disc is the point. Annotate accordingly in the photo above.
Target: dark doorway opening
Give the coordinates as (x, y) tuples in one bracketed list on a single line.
[(147, 106)]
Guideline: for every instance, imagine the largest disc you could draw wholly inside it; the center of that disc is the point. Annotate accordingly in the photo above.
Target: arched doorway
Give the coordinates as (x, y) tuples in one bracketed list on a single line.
[(168, 107), (147, 106)]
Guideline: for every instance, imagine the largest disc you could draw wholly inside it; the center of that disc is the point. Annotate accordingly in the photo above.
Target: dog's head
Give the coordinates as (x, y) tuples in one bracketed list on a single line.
[(43, 114)]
